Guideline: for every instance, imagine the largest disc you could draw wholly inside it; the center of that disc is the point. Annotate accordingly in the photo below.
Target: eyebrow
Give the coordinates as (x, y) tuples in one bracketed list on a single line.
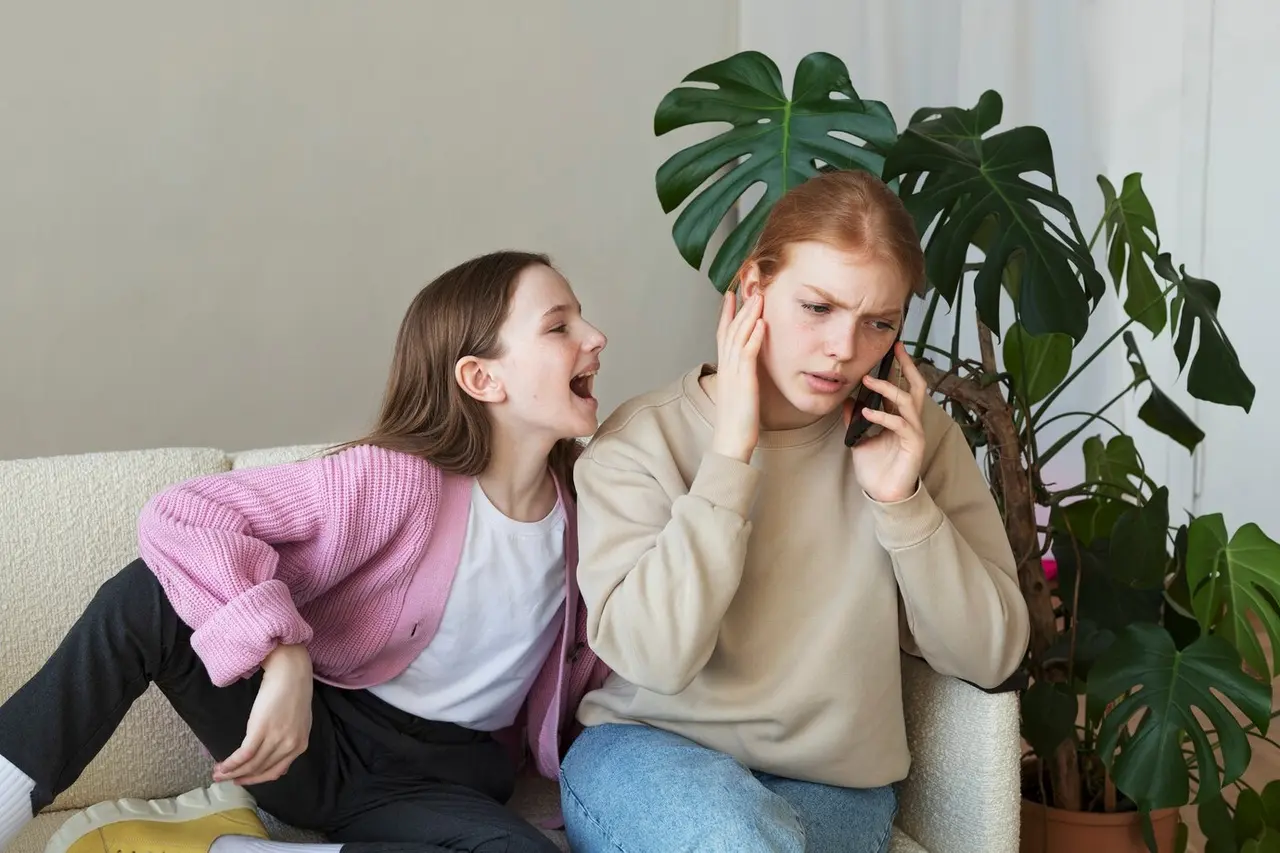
[(559, 309), (827, 297)]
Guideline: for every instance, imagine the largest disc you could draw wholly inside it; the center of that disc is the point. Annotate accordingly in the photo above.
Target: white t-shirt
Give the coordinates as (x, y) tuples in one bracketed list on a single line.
[(504, 611)]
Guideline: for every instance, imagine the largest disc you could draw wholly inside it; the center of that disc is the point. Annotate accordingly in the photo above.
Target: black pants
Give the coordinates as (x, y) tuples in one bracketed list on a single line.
[(373, 777)]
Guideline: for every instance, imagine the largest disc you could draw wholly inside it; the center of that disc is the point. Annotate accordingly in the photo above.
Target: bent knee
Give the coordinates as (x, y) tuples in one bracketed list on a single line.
[(708, 817)]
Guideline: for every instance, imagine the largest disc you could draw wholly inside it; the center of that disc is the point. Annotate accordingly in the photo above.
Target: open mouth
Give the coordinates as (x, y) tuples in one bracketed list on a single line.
[(581, 384)]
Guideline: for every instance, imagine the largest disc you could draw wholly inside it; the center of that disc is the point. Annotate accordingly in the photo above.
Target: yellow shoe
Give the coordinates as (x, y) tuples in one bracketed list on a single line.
[(186, 824)]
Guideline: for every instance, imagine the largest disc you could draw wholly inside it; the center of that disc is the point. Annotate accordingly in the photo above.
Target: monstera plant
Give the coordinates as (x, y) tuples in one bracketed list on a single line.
[(1146, 683)]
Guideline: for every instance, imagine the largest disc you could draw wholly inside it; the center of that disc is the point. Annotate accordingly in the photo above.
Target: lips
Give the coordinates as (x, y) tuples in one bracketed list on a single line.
[(582, 384), (825, 382)]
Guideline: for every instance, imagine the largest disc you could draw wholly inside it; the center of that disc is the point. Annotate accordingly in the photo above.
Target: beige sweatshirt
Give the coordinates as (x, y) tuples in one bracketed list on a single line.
[(759, 609)]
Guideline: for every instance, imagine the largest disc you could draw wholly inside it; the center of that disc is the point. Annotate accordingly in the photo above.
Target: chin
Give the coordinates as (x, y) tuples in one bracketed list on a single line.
[(817, 405)]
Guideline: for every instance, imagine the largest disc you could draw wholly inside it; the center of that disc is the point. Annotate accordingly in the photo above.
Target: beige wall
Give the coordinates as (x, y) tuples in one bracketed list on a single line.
[(214, 214)]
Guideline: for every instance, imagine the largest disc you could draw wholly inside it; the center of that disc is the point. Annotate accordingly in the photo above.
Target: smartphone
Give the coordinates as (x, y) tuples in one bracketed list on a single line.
[(866, 398)]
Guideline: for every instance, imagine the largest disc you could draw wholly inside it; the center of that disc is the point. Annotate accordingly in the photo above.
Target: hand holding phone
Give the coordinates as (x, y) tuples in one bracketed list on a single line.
[(887, 465)]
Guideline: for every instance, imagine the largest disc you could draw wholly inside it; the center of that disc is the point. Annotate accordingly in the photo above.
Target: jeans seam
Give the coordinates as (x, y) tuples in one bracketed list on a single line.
[(888, 827), (608, 836)]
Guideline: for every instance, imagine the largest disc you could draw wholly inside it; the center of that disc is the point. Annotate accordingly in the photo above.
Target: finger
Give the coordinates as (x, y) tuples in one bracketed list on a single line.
[(274, 771), (264, 757), (890, 391), (894, 423), (236, 760), (915, 379), (751, 349), (744, 323), (727, 306)]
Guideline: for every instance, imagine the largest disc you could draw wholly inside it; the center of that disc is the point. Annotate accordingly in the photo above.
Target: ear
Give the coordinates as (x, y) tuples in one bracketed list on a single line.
[(476, 378), (750, 282)]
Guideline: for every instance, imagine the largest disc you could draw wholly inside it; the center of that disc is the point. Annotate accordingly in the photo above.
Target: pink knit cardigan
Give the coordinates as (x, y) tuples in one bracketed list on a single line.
[(352, 554)]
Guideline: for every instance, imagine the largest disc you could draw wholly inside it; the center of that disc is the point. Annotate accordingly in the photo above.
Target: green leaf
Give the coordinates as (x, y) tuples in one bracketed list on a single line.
[(1214, 817), (1115, 464), (1163, 688), (1089, 519), (1160, 412), (1180, 838), (1271, 804), (1269, 843), (1132, 244), (774, 140), (1138, 553), (1250, 820), (974, 182), (1048, 716), (1103, 598), (1231, 580), (1216, 374), (1090, 644), (1038, 363)]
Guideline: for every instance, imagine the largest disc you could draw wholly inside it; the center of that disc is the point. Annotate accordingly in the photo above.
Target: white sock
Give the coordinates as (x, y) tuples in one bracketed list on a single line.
[(15, 801), (249, 844)]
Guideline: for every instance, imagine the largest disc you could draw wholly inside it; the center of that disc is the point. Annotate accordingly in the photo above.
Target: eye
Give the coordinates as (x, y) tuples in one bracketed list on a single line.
[(558, 330), (816, 307), (882, 325)]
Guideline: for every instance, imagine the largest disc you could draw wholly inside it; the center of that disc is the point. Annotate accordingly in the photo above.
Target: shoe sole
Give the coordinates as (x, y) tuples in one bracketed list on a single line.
[(202, 802)]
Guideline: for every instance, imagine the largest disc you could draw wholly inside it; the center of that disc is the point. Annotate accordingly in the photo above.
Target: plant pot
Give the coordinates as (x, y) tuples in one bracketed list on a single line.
[(1049, 830)]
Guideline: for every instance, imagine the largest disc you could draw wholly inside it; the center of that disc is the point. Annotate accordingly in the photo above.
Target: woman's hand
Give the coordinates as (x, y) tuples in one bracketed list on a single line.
[(280, 723), (887, 465), (738, 340)]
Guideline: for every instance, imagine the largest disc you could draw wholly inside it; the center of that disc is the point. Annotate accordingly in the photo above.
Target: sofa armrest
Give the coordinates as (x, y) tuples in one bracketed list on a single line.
[(964, 790)]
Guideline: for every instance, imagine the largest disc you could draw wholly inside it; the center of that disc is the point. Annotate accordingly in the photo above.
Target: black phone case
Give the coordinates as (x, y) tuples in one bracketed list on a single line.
[(858, 425)]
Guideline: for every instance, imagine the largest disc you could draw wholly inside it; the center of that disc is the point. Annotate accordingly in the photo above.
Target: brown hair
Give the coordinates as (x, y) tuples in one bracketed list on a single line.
[(854, 211), (424, 411)]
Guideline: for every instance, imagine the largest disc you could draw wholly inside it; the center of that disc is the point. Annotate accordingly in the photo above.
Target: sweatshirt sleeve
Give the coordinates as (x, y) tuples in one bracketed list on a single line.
[(955, 570), (658, 564), (214, 543)]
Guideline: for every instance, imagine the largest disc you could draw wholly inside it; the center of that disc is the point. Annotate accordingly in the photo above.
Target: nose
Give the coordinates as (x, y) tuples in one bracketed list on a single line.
[(595, 340), (842, 344)]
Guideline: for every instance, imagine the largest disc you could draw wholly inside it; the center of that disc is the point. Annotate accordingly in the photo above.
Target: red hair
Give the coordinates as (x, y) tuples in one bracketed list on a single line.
[(853, 211)]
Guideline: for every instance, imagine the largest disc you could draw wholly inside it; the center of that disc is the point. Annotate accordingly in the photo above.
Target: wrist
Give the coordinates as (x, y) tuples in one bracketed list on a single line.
[(738, 450), (287, 656)]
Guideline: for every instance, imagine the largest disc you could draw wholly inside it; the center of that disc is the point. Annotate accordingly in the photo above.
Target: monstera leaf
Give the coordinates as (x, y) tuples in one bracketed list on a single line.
[(1230, 580), (1132, 243), (1216, 374), (1037, 364), (778, 140), (1162, 689), (1160, 412), (971, 190)]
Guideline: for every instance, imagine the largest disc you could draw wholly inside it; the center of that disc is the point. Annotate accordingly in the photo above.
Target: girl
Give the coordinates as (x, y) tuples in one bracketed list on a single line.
[(355, 637), (750, 579)]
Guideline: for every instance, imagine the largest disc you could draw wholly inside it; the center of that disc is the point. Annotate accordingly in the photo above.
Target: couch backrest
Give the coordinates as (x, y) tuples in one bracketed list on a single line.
[(67, 524)]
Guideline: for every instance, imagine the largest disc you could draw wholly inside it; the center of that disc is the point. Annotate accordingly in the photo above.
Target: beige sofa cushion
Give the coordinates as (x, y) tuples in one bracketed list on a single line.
[(66, 525)]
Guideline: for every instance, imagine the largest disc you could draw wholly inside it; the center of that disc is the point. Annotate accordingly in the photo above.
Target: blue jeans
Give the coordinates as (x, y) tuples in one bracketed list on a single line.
[(636, 789)]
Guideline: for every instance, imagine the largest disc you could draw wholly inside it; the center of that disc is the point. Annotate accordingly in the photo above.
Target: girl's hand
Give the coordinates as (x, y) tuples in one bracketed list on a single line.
[(280, 723), (887, 465), (738, 340)]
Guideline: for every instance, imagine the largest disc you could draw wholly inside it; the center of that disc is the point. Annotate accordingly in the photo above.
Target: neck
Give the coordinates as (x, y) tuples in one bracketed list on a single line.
[(517, 480), (776, 413)]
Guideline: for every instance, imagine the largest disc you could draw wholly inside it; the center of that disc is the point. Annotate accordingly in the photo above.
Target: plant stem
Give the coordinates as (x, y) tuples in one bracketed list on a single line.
[(1048, 401), (1097, 416), (927, 325), (1101, 222), (1066, 439)]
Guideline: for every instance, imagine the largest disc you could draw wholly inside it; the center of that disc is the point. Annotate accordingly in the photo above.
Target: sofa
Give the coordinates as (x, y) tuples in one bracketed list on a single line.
[(68, 523)]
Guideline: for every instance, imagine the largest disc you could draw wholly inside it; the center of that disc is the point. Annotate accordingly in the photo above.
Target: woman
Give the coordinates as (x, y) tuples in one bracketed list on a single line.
[(750, 579)]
